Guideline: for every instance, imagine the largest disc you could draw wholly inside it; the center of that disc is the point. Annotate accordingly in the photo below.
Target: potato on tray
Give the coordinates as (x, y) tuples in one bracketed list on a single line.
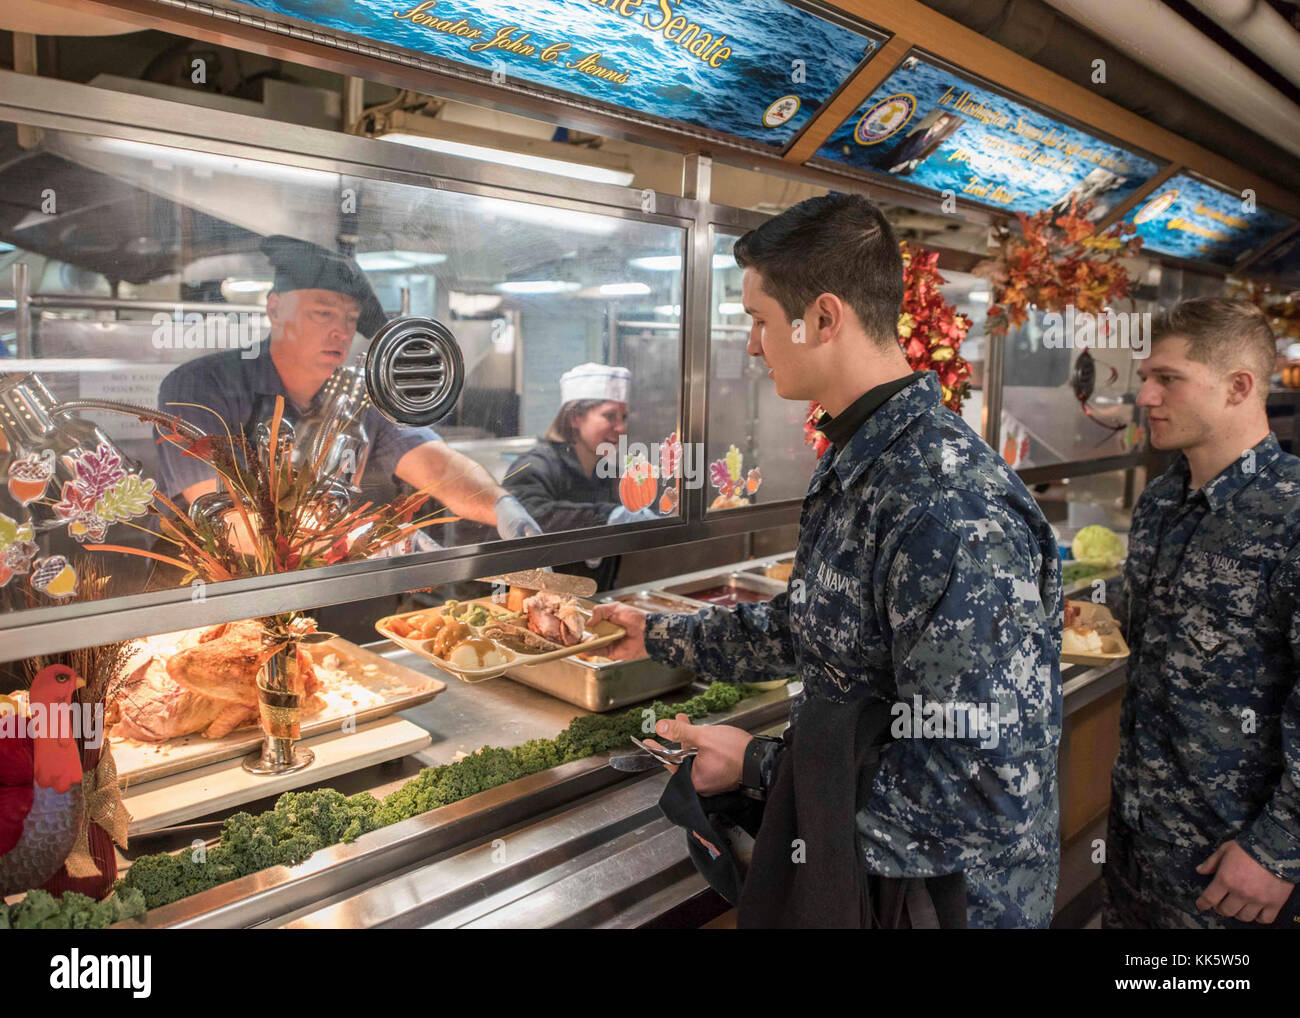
[(1090, 634), (479, 639)]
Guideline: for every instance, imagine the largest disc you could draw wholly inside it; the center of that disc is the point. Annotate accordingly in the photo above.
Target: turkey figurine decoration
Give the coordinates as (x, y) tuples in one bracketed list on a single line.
[(41, 808)]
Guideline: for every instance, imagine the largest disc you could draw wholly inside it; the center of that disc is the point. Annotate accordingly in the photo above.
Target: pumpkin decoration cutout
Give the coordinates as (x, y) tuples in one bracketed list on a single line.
[(638, 486)]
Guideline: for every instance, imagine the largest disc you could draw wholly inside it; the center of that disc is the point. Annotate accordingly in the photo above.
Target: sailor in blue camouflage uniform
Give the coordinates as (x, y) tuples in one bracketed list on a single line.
[(925, 575), (1205, 812)]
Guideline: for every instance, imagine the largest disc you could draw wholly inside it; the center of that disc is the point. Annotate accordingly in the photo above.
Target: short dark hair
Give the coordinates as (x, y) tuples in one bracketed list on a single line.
[(1224, 333), (837, 243)]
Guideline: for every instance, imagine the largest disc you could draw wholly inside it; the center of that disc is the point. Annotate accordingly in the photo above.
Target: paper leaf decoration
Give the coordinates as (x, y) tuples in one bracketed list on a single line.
[(670, 457), (98, 471), (17, 548), (720, 477), (735, 464), (128, 498)]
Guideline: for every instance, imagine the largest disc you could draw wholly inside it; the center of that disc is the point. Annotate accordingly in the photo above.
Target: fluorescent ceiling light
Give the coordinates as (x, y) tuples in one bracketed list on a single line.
[(624, 289), (658, 263), (523, 160), (674, 310), (731, 308), (387, 261), (536, 286), (206, 163), (468, 305), (558, 219), (978, 297), (246, 285), (673, 263)]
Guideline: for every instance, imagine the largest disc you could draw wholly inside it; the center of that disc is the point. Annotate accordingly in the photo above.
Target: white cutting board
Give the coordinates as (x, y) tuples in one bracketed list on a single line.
[(222, 786)]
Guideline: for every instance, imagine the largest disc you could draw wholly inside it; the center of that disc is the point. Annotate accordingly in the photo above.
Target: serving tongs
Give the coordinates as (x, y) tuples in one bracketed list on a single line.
[(650, 757)]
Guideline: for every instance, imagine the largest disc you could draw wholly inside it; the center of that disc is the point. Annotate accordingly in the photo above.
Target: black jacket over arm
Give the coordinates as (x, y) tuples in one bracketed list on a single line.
[(551, 484)]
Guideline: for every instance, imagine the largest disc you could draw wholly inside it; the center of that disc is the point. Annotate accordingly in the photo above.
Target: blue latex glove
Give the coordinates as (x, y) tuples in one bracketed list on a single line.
[(513, 520), (622, 514)]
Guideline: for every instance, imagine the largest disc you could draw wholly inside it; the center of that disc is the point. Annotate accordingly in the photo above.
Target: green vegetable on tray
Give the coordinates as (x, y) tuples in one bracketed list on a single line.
[(302, 822), (40, 910), (1097, 545), (1073, 572)]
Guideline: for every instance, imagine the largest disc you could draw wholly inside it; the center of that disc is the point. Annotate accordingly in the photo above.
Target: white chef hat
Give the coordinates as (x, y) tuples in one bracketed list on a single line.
[(595, 381)]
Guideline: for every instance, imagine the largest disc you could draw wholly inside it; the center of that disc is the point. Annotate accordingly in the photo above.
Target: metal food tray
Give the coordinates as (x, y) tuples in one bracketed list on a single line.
[(601, 687), (762, 571), (143, 761), (685, 605), (739, 580), (602, 634)]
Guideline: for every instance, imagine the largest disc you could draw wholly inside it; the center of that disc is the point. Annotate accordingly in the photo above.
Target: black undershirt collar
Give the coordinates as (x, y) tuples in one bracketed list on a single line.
[(838, 430)]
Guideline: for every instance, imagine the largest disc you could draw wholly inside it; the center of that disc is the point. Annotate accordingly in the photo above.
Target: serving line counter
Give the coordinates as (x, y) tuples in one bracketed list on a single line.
[(578, 845), (550, 250)]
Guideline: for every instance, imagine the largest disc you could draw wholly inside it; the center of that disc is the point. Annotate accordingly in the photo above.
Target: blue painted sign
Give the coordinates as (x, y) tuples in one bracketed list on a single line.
[(1187, 218), (930, 126), (756, 69)]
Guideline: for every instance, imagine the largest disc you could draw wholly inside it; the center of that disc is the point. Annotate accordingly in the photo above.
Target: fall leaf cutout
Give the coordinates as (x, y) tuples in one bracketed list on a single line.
[(728, 476), (103, 493), (17, 548), (670, 457)]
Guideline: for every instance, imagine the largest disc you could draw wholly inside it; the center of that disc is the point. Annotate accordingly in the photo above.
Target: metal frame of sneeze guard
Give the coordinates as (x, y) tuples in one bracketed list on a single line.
[(62, 106)]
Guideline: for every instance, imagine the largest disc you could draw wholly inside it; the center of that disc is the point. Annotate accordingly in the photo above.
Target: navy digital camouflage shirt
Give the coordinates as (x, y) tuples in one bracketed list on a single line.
[(927, 577), (1210, 727)]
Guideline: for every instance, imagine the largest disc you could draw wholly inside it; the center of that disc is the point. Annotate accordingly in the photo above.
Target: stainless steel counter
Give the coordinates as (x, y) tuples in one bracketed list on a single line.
[(579, 845), (341, 872), (607, 860)]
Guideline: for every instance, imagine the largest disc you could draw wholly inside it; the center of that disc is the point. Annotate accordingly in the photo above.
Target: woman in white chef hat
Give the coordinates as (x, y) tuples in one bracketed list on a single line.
[(557, 480)]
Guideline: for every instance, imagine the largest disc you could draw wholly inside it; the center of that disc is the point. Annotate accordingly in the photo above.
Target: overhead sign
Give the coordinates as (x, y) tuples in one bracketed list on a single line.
[(930, 126), (756, 69), (1187, 218), (1282, 262)]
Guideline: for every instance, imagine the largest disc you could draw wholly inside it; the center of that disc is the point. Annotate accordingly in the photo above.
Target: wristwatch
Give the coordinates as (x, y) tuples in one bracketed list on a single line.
[(751, 776)]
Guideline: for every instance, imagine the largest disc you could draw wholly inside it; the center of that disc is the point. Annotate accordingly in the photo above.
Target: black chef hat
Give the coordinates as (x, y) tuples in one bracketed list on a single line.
[(302, 265)]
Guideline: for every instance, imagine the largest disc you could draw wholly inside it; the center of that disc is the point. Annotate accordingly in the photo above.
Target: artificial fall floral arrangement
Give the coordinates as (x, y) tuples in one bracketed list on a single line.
[(1282, 309), (931, 332), (278, 519), (1057, 262), (274, 518)]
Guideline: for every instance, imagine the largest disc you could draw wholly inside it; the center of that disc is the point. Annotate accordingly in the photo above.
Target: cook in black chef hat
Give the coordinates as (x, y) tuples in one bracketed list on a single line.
[(302, 265)]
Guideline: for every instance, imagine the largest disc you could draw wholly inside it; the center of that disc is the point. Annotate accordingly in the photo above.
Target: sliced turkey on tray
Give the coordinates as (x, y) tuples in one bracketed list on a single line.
[(555, 617)]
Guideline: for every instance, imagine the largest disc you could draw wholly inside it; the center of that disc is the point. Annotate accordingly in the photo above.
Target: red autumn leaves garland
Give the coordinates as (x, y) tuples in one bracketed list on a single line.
[(931, 332), (1056, 262)]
